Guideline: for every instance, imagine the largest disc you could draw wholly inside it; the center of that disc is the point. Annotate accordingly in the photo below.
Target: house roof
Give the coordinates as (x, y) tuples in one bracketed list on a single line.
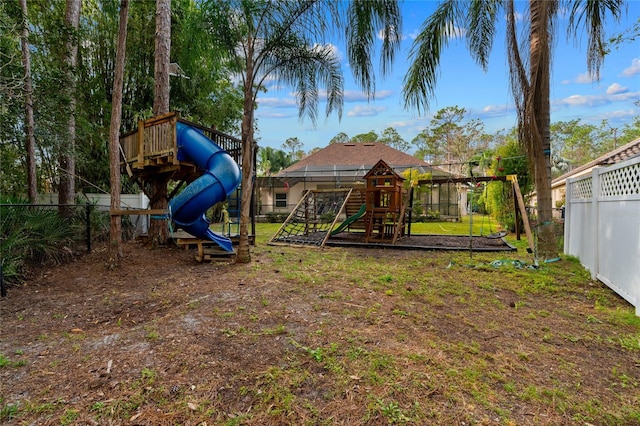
[(355, 160), (625, 152)]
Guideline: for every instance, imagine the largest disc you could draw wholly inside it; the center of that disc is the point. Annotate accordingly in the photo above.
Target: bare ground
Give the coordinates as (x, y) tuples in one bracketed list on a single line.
[(340, 336)]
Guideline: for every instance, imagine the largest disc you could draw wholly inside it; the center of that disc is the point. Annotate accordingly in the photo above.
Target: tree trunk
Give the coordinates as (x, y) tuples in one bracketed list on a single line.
[(115, 229), (540, 122), (66, 189), (244, 252), (162, 57), (158, 233), (30, 140), (157, 228)]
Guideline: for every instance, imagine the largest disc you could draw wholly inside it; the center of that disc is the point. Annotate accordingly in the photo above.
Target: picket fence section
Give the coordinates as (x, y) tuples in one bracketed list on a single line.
[(602, 226)]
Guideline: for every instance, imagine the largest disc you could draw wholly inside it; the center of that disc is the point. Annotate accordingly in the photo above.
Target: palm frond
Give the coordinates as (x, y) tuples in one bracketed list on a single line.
[(592, 15), (481, 29), (308, 68), (364, 20), (424, 56)]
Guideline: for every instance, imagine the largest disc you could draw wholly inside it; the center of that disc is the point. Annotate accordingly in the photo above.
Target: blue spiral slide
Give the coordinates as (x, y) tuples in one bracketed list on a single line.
[(221, 178)]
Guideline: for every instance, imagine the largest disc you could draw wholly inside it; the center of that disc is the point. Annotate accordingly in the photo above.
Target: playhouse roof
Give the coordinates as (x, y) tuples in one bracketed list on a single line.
[(382, 169), (355, 160)]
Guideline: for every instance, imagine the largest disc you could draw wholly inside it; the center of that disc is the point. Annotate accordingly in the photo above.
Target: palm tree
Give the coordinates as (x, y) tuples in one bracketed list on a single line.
[(281, 40), (530, 85)]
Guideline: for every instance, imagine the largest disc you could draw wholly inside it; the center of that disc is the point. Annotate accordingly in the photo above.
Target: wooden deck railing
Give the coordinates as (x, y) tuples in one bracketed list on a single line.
[(154, 143)]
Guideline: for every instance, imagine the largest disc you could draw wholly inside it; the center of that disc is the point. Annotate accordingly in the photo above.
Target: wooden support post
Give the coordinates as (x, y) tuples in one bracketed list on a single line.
[(403, 209), (140, 162), (516, 212), (523, 210)]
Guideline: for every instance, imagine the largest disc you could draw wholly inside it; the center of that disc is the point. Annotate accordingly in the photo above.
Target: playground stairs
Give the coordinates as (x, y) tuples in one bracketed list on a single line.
[(355, 201), (205, 250)]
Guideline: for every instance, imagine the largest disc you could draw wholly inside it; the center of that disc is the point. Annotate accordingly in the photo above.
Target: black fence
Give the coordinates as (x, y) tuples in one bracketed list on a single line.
[(41, 233)]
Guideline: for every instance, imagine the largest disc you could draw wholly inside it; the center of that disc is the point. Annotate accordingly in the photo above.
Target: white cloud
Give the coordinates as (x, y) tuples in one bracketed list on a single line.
[(580, 100), (616, 88), (366, 111), (277, 102), (617, 118), (596, 100), (491, 111), (624, 114), (383, 94), (633, 69), (359, 96), (401, 124), (584, 78), (272, 114), (354, 96), (349, 96)]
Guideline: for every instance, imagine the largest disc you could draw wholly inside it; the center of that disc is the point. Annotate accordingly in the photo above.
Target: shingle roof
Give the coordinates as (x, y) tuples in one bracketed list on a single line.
[(351, 158)]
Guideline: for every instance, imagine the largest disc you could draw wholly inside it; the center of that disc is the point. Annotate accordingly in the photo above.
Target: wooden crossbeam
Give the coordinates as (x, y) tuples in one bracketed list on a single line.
[(462, 180)]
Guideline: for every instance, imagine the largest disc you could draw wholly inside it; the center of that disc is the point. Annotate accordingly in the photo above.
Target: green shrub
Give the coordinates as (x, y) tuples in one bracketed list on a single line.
[(36, 234), (276, 217)]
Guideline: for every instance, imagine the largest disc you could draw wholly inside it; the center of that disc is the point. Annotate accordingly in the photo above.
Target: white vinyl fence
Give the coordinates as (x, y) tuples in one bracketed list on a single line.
[(602, 226), (103, 202)]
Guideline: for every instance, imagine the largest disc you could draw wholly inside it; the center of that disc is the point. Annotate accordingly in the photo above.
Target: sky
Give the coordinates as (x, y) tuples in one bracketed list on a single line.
[(461, 82)]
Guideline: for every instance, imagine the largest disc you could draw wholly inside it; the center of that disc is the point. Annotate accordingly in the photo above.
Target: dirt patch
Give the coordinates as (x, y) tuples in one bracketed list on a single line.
[(307, 336)]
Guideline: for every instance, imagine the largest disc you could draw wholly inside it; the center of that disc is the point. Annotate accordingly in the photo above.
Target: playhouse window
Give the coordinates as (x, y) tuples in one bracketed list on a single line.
[(281, 200)]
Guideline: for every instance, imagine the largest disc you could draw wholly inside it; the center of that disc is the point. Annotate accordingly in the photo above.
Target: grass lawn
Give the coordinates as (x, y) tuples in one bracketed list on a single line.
[(308, 336)]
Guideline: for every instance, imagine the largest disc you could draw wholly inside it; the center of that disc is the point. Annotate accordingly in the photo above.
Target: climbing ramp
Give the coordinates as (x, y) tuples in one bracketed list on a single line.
[(313, 218)]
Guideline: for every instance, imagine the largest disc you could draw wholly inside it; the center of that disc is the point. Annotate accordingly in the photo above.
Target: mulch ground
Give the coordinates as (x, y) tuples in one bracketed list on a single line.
[(426, 242)]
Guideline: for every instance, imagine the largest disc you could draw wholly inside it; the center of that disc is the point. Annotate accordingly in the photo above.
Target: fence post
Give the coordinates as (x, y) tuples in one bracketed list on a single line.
[(567, 214), (88, 221), (595, 194)]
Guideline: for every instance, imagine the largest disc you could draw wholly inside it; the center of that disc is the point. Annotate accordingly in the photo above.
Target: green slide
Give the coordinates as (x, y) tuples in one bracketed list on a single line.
[(350, 220)]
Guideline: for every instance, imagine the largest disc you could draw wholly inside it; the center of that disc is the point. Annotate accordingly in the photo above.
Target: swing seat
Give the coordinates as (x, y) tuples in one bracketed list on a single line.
[(497, 235)]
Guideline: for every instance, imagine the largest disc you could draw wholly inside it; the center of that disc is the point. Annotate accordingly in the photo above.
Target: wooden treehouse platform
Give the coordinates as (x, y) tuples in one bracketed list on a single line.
[(152, 149)]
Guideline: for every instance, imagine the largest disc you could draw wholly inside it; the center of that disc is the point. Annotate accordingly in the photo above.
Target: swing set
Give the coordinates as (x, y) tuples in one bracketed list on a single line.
[(520, 210)]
